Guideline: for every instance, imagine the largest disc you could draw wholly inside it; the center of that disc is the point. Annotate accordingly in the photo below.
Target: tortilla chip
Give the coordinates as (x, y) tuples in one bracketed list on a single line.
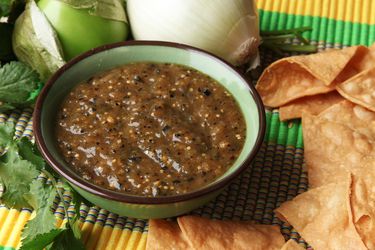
[(311, 105), (347, 132), (294, 77), (284, 82), (368, 61), (164, 234), (323, 217), (292, 245), (333, 65), (363, 207), (354, 116), (333, 150), (203, 234), (360, 89)]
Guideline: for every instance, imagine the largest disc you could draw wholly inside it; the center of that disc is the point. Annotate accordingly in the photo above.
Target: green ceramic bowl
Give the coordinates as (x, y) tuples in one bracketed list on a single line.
[(107, 57)]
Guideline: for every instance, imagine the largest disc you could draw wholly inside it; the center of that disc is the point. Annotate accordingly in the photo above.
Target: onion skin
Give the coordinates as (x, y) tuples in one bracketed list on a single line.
[(228, 29)]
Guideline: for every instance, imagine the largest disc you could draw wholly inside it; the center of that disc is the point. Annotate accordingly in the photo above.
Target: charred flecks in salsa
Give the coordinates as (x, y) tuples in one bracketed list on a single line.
[(150, 129)]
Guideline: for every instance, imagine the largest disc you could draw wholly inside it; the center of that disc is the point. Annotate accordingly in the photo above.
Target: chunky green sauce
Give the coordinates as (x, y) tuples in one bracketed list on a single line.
[(150, 129)]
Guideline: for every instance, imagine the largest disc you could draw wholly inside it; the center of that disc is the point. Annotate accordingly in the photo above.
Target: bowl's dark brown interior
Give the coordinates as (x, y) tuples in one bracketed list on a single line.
[(103, 58)]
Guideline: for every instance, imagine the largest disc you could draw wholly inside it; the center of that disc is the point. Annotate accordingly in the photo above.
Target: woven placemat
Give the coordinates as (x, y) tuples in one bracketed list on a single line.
[(277, 173)]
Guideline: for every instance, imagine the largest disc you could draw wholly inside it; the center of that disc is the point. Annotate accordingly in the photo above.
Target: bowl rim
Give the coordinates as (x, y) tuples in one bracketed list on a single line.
[(133, 199)]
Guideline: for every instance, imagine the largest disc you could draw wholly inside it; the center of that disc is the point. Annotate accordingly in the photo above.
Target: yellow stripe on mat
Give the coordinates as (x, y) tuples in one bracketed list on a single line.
[(364, 10), (15, 235), (116, 234), (114, 239), (96, 230), (95, 236), (106, 232), (3, 214), (142, 242), (88, 224), (133, 240), (9, 223), (124, 238), (12, 222)]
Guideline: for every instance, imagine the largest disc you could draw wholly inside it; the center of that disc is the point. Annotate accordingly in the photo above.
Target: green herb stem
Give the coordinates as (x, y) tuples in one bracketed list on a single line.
[(298, 48), (279, 41), (279, 48)]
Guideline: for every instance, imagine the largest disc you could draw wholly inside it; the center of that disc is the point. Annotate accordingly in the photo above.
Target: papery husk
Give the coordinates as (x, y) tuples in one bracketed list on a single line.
[(108, 9), (36, 43)]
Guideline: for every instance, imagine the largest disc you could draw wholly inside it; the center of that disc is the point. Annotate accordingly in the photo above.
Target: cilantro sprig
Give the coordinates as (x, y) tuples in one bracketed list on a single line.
[(20, 166), (279, 41), (19, 86), (11, 9)]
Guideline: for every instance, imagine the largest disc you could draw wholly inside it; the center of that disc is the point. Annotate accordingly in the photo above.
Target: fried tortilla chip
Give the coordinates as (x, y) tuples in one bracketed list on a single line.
[(204, 234), (368, 61), (352, 115), (360, 89), (166, 235), (284, 82), (323, 217), (294, 77), (347, 133), (333, 150), (292, 245), (363, 207), (310, 104), (334, 65)]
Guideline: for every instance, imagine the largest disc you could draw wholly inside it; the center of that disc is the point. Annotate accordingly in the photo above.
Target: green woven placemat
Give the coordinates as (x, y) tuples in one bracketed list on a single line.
[(277, 173)]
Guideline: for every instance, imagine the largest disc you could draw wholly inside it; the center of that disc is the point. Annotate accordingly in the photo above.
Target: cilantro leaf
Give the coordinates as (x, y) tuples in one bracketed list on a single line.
[(4, 107), (42, 240), (40, 197), (11, 8), (67, 241), (5, 7), (6, 133), (16, 175), (33, 95), (17, 82), (19, 167), (29, 151)]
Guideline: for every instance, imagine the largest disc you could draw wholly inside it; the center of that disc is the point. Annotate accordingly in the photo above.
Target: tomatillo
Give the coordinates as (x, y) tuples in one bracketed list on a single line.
[(81, 28)]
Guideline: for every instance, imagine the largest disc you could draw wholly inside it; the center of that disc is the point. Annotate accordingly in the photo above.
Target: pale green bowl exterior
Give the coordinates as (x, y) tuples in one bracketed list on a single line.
[(117, 56), (147, 211)]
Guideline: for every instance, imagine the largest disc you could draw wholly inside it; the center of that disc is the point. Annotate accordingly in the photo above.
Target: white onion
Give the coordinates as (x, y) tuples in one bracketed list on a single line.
[(226, 28)]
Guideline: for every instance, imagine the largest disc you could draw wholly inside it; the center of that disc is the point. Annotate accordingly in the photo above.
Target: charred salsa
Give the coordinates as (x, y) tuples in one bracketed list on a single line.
[(150, 129)]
